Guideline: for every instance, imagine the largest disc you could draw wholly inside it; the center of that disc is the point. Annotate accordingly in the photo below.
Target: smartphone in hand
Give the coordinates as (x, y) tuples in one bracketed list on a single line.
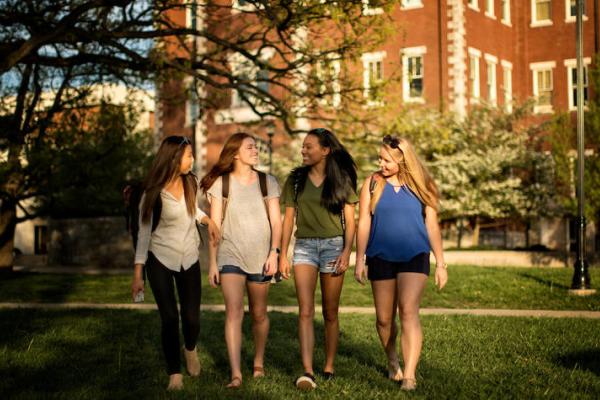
[(139, 297)]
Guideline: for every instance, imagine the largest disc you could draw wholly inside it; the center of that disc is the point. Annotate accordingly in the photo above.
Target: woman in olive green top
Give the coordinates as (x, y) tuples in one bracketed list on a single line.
[(321, 196)]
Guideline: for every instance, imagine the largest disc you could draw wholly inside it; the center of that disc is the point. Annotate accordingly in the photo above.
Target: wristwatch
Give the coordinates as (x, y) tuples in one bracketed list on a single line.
[(276, 250)]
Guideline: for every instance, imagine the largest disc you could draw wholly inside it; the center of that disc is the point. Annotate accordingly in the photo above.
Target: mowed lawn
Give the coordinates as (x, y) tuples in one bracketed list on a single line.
[(115, 354), (468, 287)]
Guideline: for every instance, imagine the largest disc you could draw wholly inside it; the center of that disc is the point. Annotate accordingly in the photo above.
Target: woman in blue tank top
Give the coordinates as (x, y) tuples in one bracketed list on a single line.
[(397, 229)]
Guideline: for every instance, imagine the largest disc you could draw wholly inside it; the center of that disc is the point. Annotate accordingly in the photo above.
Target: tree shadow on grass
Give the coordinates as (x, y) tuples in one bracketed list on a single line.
[(546, 282), (588, 360), (38, 287)]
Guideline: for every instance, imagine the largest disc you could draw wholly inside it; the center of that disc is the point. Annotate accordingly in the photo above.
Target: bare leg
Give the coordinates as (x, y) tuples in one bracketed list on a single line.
[(386, 300), (257, 299), (410, 290), (305, 278), (233, 286), (331, 289)]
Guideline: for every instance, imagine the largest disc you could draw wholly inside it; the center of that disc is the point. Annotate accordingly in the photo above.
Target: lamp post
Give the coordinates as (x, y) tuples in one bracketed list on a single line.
[(270, 133), (581, 278)]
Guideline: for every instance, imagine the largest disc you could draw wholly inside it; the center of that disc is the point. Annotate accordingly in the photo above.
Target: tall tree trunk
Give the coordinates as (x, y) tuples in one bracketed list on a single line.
[(460, 232), (8, 218), (475, 241)]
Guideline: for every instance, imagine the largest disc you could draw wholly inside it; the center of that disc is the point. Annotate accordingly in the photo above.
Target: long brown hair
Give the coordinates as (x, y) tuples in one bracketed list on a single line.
[(165, 166), (412, 172), (225, 163)]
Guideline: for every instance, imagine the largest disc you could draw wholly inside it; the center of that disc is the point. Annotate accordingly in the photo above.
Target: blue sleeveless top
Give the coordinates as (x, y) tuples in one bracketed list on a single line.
[(398, 230)]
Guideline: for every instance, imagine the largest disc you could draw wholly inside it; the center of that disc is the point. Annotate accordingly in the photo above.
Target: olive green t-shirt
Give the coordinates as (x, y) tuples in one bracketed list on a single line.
[(313, 220)]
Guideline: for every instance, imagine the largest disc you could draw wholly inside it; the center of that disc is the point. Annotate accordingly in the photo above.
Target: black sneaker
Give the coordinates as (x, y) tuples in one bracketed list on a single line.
[(306, 382), (328, 375)]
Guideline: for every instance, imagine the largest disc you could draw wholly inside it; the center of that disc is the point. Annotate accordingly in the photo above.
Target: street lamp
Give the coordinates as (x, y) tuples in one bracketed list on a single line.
[(270, 133), (581, 283)]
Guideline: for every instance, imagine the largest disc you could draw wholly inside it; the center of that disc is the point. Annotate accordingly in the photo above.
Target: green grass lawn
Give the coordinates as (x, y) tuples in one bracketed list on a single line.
[(468, 287), (114, 354)]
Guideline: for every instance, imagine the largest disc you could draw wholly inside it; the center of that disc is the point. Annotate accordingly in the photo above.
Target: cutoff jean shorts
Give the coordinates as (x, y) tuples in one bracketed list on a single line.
[(319, 252)]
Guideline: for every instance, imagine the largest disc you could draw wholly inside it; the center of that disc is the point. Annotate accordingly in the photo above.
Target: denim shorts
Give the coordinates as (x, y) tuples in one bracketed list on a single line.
[(256, 278), (320, 252)]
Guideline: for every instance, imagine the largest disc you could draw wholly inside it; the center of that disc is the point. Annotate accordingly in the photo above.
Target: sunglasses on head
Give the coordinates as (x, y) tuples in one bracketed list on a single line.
[(180, 140), (391, 141)]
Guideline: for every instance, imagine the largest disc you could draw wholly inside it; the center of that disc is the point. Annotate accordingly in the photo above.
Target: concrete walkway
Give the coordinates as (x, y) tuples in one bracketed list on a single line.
[(294, 309)]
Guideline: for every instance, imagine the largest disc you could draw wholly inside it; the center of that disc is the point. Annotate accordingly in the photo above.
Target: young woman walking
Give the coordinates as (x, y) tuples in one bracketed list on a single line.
[(168, 246), (397, 229), (244, 203), (319, 197)]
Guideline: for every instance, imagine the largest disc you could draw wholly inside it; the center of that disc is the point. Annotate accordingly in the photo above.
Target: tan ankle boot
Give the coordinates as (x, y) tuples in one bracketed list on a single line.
[(175, 382), (192, 363)]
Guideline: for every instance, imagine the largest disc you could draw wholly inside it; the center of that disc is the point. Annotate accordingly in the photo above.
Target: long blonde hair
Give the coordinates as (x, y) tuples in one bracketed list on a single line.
[(412, 172)]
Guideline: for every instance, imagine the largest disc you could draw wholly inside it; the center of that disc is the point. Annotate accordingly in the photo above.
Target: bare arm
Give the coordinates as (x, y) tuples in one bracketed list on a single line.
[(435, 240), (216, 209), (275, 221), (364, 227), (286, 235)]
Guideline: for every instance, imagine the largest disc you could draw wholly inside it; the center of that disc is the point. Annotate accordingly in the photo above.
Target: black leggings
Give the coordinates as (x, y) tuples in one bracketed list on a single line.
[(188, 288)]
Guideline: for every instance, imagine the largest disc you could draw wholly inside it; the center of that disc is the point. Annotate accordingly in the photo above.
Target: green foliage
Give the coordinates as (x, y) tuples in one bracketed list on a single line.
[(82, 166)]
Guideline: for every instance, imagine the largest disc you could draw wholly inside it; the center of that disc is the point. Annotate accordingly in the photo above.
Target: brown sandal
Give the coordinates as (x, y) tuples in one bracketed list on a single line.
[(235, 383), (259, 372)]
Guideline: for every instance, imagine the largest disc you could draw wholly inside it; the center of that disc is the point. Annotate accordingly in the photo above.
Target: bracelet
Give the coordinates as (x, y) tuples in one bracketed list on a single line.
[(444, 265), (276, 250)]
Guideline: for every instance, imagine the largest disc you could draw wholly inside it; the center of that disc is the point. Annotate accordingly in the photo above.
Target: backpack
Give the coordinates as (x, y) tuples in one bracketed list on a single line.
[(132, 195), (262, 181)]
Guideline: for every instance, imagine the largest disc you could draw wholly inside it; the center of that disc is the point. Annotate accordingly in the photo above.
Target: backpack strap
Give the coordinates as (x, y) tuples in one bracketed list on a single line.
[(373, 184), (156, 212), (262, 181), (224, 195)]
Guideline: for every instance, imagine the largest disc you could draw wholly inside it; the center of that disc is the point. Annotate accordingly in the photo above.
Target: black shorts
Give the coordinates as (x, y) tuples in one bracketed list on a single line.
[(380, 269), (255, 278)]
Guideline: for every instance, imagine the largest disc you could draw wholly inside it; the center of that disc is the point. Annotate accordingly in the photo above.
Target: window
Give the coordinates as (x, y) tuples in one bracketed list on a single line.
[(506, 12), (412, 74), (327, 76), (474, 4), (241, 5), (474, 56), (543, 86), (541, 13), (572, 82), (507, 84), (248, 77), (491, 62), (411, 4), (489, 8), (571, 11), (373, 76), (371, 7)]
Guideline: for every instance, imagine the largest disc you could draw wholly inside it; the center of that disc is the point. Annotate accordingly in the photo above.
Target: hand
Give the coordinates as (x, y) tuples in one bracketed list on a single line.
[(441, 277), (214, 234), (284, 267), (360, 271), (341, 263), (271, 264), (137, 285), (214, 277)]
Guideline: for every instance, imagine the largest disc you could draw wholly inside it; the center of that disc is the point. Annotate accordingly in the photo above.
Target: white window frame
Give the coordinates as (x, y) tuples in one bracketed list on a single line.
[(368, 10), (491, 78), (411, 4), (473, 4), (474, 75), (573, 18), (333, 62), (489, 9), (366, 59), (571, 64), (535, 68), (406, 53), (505, 13), (507, 84), (237, 8), (190, 102), (535, 22)]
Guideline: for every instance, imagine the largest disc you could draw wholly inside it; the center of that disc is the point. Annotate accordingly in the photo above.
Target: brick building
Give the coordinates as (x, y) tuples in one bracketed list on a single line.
[(452, 54)]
